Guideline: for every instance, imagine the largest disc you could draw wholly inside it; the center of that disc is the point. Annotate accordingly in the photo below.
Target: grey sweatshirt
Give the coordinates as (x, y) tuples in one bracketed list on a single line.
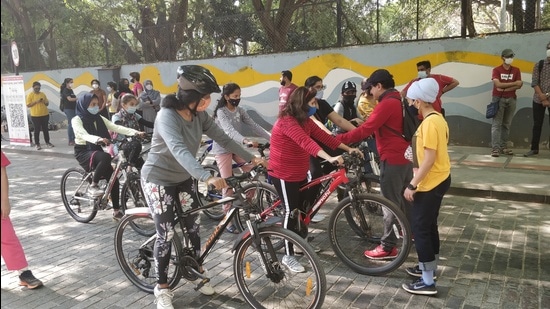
[(172, 158), (235, 124)]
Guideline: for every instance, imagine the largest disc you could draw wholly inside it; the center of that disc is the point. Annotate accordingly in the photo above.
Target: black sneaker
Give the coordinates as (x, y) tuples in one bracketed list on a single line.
[(420, 288), (27, 279), (118, 215), (416, 272)]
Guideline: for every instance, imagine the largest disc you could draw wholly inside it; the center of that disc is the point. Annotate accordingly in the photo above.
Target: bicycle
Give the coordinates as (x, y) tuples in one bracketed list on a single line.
[(357, 221), (75, 182), (260, 276), (206, 196)]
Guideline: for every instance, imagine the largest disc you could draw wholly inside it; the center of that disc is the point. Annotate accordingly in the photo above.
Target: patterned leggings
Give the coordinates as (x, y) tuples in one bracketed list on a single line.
[(162, 201)]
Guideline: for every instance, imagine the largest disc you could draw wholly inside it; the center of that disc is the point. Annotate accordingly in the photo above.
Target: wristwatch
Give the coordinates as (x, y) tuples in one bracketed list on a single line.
[(411, 187)]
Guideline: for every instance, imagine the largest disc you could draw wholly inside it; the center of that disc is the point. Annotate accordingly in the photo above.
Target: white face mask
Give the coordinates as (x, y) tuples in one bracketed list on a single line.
[(95, 86), (508, 60), (548, 53), (71, 85), (109, 89), (422, 74), (149, 87), (319, 94)]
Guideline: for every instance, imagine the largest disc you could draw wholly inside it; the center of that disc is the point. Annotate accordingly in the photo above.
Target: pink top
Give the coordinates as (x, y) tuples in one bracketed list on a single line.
[(137, 89), (284, 94)]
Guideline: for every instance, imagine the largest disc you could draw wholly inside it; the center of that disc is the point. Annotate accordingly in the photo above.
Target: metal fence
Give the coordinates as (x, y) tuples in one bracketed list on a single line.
[(333, 23)]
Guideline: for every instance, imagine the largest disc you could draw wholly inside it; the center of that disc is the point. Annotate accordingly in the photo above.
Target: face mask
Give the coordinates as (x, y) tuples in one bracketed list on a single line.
[(319, 95), (235, 102), (131, 109), (93, 110), (71, 85), (422, 74), (283, 83), (312, 110), (95, 86), (508, 60), (149, 87), (548, 53), (349, 97), (204, 106), (109, 89), (132, 80)]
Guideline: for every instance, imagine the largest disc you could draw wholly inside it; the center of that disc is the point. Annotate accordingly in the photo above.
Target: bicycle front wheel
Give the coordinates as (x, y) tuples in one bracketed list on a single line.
[(205, 196), (278, 287), (261, 196), (134, 253), (132, 196), (74, 185), (351, 236)]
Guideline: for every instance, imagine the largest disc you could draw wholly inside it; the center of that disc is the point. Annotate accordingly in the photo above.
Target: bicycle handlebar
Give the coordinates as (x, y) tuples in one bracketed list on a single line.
[(234, 181)]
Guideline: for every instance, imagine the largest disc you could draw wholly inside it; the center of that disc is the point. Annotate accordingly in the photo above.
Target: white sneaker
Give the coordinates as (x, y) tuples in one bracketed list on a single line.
[(293, 264), (207, 288), (318, 218), (95, 191), (163, 298)]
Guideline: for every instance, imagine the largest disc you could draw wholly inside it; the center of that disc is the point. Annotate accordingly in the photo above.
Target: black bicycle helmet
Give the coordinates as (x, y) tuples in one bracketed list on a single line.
[(195, 77)]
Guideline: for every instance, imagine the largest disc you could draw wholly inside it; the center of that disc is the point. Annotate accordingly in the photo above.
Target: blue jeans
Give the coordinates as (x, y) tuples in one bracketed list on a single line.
[(500, 129), (70, 113)]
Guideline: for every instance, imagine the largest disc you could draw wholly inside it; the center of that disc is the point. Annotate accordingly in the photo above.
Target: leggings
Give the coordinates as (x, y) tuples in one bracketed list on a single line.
[(162, 201), (41, 124)]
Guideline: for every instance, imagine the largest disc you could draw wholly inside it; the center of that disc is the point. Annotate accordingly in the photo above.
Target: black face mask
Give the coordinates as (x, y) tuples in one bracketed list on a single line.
[(283, 83), (132, 80), (349, 97), (234, 102)]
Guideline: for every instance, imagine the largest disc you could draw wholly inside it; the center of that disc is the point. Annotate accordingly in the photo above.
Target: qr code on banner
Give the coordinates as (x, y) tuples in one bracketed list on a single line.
[(17, 116)]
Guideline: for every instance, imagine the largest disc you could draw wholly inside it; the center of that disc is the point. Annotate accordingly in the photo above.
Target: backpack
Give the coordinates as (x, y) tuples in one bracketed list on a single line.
[(410, 122)]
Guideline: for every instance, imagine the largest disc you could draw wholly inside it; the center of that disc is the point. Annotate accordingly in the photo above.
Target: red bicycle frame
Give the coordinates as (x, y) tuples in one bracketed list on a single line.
[(336, 178)]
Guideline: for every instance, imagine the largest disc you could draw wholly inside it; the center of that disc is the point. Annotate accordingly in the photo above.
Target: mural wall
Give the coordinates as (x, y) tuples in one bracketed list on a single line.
[(470, 61)]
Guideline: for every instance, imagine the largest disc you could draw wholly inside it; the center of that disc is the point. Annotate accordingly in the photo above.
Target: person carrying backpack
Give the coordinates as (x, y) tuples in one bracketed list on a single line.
[(395, 170), (346, 106)]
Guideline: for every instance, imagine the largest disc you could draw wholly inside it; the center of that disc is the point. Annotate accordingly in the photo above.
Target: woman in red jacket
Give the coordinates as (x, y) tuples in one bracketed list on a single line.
[(291, 145)]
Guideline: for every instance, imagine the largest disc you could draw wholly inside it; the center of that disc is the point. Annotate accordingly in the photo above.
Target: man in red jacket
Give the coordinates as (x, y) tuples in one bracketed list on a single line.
[(395, 170)]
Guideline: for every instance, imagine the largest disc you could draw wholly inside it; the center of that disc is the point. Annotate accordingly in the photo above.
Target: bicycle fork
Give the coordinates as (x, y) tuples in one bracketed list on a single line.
[(266, 255)]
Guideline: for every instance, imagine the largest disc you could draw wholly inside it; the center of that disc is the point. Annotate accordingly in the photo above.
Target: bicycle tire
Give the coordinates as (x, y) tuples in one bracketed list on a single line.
[(282, 289), (132, 196), (262, 196), (134, 254), (205, 196), (349, 245), (80, 210)]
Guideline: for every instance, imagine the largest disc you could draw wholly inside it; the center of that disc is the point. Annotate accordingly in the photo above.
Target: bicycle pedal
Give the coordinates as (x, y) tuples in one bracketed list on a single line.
[(201, 284)]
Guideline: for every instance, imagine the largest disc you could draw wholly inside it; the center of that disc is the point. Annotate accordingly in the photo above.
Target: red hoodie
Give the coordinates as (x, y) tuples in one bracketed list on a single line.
[(387, 113)]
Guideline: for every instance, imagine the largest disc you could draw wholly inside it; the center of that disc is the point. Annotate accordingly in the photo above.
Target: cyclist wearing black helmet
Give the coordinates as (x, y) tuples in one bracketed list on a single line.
[(166, 175)]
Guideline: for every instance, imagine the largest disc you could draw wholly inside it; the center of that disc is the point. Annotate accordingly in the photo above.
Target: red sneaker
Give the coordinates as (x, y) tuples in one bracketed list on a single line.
[(379, 253)]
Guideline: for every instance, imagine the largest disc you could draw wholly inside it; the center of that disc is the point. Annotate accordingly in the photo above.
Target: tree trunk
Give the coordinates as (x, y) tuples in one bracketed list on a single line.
[(530, 15), (517, 12), (276, 29)]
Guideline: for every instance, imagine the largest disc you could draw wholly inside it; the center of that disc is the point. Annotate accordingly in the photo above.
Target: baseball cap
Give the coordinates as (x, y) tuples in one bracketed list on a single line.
[(349, 85), (425, 89), (507, 53), (378, 76)]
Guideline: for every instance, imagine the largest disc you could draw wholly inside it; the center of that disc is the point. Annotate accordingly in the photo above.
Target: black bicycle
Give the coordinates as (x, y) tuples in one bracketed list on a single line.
[(259, 273)]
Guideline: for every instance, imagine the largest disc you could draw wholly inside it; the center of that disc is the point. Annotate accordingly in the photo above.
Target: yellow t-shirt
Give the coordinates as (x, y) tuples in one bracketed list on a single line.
[(111, 100), (40, 109), (366, 106), (433, 133)]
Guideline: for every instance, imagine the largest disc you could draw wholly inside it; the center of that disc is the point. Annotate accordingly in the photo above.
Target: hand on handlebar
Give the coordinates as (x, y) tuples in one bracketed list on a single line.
[(217, 182), (336, 160), (356, 151), (141, 134), (104, 141), (259, 161)]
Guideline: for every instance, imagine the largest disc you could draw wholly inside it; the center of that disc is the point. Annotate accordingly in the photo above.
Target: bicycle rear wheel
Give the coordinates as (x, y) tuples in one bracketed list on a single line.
[(205, 196), (134, 254), (74, 185), (350, 238), (279, 288)]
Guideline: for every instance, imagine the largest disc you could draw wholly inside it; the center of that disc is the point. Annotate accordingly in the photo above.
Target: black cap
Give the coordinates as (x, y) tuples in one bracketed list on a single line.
[(349, 85), (378, 76), (287, 74)]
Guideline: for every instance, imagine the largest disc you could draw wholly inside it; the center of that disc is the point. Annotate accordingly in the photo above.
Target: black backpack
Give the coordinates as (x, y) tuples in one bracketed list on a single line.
[(410, 122)]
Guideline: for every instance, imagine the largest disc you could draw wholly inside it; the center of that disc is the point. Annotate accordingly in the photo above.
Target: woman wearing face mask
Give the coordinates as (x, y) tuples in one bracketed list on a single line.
[(138, 87), (68, 101), (112, 102), (166, 175), (235, 121), (102, 96), (292, 144), (149, 101), (90, 128)]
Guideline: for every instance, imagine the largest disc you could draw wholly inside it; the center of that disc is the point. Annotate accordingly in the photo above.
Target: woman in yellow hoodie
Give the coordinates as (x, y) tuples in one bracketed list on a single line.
[(40, 116)]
